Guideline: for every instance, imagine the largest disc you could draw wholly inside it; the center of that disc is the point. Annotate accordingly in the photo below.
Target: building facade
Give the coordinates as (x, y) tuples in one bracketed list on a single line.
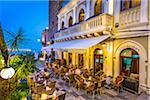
[(45, 37), (109, 35), (54, 7)]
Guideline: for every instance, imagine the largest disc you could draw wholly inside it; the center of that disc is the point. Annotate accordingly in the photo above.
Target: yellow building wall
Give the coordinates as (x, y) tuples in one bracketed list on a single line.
[(76, 59), (107, 65), (142, 40), (87, 59)]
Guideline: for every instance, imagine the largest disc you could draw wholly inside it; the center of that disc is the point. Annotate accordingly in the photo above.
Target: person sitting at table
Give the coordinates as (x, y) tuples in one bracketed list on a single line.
[(78, 71), (47, 81), (118, 82), (46, 73), (89, 85), (108, 81)]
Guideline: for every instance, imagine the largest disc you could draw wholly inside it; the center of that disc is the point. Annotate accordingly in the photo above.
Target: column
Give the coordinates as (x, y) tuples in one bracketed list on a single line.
[(109, 56), (77, 59), (73, 58), (87, 9), (148, 69), (74, 15), (59, 24), (116, 11), (144, 11), (105, 6), (87, 59), (65, 20), (149, 9), (110, 7)]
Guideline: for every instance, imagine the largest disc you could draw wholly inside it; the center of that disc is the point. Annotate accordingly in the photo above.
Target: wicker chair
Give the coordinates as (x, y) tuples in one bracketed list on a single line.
[(118, 83), (79, 82), (90, 88)]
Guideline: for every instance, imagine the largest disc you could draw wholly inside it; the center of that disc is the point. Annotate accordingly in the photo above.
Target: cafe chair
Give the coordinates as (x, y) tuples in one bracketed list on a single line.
[(118, 83), (79, 82)]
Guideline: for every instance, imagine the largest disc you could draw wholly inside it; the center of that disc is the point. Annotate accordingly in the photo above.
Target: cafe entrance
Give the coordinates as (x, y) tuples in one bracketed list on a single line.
[(98, 60)]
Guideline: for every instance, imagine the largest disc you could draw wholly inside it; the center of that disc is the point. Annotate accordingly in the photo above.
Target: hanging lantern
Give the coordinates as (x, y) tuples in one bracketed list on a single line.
[(7, 73)]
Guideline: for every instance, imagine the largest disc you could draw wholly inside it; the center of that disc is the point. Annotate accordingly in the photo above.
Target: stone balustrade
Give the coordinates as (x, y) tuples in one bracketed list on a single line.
[(129, 17), (93, 23)]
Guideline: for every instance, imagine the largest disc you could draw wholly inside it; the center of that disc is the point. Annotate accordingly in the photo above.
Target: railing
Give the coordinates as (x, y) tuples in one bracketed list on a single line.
[(90, 24), (131, 16)]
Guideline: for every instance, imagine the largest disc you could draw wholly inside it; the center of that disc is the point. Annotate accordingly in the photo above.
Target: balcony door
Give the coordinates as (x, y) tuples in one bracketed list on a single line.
[(98, 8)]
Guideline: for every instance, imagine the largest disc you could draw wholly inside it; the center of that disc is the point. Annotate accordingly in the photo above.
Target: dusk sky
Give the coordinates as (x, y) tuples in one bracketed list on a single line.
[(31, 16)]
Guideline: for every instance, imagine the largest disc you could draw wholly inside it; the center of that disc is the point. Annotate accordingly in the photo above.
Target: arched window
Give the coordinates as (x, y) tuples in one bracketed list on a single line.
[(98, 7), (70, 21), (81, 15), (127, 4), (98, 60), (129, 62), (62, 25)]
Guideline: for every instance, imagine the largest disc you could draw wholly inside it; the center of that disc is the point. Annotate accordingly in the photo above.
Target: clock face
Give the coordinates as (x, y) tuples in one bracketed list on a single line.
[(7, 73)]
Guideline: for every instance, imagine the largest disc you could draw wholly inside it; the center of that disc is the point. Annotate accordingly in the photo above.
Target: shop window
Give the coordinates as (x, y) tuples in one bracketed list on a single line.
[(98, 8), (129, 60), (70, 21), (81, 15), (98, 60), (80, 60), (62, 25), (70, 58), (127, 4)]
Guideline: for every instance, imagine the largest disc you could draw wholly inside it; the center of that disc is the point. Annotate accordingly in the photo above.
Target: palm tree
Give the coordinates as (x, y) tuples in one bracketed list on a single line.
[(15, 41), (3, 46)]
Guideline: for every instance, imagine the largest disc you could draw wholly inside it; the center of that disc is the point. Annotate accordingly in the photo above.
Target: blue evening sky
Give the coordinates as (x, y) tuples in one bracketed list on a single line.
[(32, 16)]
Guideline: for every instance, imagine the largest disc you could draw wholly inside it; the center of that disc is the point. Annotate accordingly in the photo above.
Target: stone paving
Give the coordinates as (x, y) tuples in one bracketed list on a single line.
[(73, 94)]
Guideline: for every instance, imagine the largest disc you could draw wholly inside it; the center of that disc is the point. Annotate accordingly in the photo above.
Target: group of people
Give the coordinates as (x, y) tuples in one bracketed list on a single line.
[(51, 57)]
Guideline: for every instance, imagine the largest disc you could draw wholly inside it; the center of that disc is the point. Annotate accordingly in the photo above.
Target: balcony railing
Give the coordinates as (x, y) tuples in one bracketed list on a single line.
[(97, 22), (130, 17)]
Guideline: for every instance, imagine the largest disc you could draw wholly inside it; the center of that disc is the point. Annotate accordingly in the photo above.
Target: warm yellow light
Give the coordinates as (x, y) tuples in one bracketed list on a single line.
[(100, 52), (96, 33), (103, 45), (89, 35), (82, 36)]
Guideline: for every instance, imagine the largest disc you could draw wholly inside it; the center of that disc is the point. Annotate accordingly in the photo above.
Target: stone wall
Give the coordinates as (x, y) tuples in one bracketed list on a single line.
[(54, 7)]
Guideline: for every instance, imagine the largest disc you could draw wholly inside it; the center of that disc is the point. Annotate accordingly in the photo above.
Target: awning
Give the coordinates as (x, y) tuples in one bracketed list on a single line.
[(77, 44)]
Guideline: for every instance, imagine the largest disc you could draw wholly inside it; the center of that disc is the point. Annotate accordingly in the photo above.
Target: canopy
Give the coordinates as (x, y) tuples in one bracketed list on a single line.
[(77, 44)]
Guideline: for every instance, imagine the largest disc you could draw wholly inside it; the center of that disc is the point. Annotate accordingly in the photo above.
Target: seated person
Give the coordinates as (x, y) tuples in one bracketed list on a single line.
[(77, 71), (118, 82), (46, 73), (108, 81)]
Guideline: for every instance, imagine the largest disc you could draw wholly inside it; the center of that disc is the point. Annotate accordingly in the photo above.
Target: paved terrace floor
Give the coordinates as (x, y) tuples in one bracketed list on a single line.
[(73, 94)]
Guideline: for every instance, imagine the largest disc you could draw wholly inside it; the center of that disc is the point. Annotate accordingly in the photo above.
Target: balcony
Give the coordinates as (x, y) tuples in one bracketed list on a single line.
[(95, 24), (129, 17)]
